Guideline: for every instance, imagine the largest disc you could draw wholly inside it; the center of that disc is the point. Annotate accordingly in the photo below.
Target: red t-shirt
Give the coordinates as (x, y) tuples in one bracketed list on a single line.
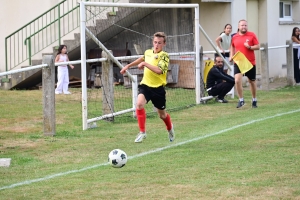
[(238, 43)]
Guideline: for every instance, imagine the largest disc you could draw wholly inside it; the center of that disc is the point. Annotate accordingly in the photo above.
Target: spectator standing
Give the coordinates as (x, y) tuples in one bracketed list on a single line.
[(223, 43), (62, 71), (296, 54)]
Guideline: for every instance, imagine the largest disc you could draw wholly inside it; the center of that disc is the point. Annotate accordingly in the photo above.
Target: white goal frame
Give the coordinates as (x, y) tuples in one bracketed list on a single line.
[(131, 5)]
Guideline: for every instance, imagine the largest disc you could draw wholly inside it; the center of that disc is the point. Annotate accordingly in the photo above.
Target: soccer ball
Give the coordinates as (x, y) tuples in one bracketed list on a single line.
[(117, 158)]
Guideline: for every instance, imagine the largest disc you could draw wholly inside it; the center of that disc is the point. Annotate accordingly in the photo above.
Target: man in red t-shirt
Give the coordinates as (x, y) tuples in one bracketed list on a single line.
[(245, 42)]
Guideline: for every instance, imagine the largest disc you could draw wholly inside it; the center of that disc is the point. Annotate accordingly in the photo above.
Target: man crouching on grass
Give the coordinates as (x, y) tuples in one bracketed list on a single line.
[(155, 64)]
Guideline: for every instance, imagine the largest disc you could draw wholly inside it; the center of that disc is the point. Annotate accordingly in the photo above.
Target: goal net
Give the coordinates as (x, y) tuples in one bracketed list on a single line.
[(112, 39)]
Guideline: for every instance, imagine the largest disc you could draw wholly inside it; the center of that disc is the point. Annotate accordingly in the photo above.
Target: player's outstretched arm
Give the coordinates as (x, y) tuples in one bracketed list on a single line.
[(153, 68), (134, 63)]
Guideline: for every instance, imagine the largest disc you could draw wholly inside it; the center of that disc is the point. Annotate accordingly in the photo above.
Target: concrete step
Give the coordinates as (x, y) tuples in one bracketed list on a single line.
[(36, 62), (26, 79), (45, 54)]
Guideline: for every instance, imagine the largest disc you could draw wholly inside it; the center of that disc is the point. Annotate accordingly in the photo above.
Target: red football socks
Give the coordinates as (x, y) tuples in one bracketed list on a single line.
[(168, 122), (141, 116)]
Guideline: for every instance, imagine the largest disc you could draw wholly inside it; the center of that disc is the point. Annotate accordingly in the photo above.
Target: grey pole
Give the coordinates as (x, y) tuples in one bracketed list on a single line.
[(264, 67), (290, 63), (49, 95)]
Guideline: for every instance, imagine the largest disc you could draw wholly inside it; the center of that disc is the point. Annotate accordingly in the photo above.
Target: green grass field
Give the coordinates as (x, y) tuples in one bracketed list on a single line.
[(220, 152)]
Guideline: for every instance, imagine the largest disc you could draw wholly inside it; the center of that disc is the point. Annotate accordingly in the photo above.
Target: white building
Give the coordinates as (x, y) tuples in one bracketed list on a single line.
[(263, 16)]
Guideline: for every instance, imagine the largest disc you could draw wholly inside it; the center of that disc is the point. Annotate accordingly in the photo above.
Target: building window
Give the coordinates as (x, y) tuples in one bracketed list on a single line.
[(285, 11)]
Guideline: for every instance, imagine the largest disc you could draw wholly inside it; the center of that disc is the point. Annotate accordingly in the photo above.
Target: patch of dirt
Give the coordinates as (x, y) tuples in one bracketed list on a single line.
[(275, 83)]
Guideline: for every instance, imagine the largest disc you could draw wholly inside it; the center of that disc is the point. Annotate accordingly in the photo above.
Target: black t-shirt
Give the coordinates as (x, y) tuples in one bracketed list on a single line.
[(216, 76)]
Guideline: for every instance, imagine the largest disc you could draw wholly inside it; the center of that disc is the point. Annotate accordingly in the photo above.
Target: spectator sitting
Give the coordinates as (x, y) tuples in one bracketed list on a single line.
[(218, 82)]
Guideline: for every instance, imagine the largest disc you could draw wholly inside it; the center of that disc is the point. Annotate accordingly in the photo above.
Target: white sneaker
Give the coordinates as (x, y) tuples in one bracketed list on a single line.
[(57, 92), (139, 138), (67, 92), (172, 134)]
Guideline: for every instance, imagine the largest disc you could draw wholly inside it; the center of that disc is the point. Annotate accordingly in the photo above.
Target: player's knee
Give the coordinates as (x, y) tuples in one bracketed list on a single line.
[(237, 81), (139, 106), (163, 116)]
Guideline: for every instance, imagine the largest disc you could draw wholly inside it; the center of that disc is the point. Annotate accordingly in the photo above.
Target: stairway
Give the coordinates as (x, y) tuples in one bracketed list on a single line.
[(104, 31)]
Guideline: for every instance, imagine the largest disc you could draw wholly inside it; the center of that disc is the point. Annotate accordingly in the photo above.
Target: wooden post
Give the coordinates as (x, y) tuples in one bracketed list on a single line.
[(49, 95), (264, 67), (290, 63), (108, 87), (202, 88)]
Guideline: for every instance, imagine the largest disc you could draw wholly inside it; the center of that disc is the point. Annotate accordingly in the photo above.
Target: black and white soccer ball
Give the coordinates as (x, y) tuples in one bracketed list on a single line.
[(117, 158)]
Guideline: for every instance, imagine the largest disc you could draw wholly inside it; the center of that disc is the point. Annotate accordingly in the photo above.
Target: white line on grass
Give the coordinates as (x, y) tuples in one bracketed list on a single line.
[(146, 153)]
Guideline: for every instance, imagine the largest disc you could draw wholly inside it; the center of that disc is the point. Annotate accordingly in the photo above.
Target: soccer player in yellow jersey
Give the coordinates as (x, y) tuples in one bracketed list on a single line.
[(155, 64)]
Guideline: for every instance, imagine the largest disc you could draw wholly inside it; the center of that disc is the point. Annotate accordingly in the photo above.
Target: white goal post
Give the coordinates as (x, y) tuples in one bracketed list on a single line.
[(133, 5)]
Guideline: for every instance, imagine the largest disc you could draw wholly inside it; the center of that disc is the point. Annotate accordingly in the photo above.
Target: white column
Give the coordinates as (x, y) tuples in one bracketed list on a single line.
[(83, 65)]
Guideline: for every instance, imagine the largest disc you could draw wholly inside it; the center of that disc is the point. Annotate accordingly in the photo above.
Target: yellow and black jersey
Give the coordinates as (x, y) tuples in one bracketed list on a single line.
[(161, 60)]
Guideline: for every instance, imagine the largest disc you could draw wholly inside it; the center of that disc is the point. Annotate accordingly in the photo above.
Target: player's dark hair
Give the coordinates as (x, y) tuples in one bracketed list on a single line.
[(161, 34)]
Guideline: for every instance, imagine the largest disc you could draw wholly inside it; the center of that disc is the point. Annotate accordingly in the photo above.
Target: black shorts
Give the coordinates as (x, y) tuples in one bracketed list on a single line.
[(251, 74), (156, 95)]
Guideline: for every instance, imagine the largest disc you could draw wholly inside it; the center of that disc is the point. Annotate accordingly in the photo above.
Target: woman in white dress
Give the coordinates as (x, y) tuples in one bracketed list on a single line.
[(62, 71)]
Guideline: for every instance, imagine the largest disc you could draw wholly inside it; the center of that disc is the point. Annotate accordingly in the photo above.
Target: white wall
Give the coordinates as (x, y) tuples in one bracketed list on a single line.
[(239, 11), (213, 17), (264, 22), (277, 36), (16, 13), (269, 30)]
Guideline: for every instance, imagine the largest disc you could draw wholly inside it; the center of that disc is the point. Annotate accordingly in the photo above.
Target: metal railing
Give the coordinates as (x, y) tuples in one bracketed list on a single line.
[(45, 31)]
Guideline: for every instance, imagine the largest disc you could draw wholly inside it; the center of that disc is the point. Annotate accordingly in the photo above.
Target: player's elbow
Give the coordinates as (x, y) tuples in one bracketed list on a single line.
[(159, 72)]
